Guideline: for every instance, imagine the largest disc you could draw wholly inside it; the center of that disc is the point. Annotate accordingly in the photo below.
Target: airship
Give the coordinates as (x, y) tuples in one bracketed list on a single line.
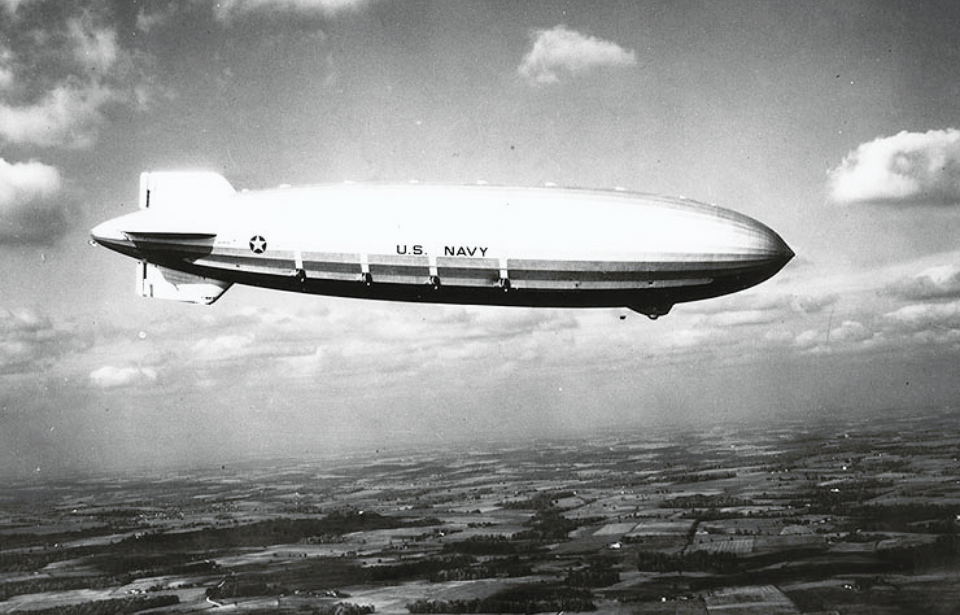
[(195, 236)]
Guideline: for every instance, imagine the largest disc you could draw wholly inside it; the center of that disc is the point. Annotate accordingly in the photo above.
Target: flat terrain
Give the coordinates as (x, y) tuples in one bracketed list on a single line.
[(842, 515)]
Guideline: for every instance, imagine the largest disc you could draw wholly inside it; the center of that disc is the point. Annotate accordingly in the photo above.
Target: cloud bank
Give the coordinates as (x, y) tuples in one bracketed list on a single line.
[(907, 168), (30, 208), (560, 50)]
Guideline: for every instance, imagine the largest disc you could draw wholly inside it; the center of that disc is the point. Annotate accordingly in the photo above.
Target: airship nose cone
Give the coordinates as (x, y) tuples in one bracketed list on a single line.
[(110, 235), (105, 232), (771, 253), (780, 251)]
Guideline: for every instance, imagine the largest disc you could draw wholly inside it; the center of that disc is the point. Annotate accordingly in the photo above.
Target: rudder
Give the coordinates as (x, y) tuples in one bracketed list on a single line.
[(182, 189)]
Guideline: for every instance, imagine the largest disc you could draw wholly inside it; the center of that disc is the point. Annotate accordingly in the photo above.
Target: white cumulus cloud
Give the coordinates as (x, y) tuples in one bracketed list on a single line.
[(561, 50), (848, 335), (30, 342), (938, 282), (26, 181), (30, 207), (921, 316), (62, 75), (228, 8), (67, 116), (850, 331), (109, 376), (907, 168)]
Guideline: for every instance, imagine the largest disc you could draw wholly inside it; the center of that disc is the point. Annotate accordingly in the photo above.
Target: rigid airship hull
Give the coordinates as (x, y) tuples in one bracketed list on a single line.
[(194, 237)]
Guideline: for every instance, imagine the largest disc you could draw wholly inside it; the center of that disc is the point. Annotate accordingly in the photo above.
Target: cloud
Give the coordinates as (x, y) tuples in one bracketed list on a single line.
[(67, 116), (63, 73), (929, 327), (31, 209), (30, 341), (109, 377), (742, 318), (11, 5), (560, 50), (222, 348), (926, 316), (6, 69), (907, 168), (150, 16), (94, 48), (848, 335), (850, 331), (812, 304), (941, 282), (226, 9)]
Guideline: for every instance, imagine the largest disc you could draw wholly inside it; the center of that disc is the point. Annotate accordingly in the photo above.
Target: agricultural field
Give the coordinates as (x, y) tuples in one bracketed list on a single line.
[(848, 516)]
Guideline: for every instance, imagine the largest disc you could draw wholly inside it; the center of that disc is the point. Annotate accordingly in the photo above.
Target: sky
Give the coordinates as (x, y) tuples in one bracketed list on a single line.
[(835, 123)]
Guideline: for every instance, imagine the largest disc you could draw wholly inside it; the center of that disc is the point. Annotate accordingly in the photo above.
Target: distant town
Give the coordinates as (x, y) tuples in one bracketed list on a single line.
[(839, 513)]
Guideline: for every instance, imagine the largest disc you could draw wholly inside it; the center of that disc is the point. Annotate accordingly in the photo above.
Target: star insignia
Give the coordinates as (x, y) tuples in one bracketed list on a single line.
[(258, 244)]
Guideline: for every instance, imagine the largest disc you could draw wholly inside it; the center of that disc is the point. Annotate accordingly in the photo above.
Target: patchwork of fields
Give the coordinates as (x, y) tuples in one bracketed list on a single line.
[(848, 516)]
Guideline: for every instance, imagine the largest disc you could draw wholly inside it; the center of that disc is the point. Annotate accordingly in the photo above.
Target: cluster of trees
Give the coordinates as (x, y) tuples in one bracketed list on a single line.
[(49, 584), (448, 567), (231, 587), (908, 517), (943, 552), (28, 562), (500, 567), (343, 608), (416, 569), (324, 539), (523, 599), (597, 574), (119, 567), (153, 564), (541, 501), (338, 608), (696, 561), (705, 501), (690, 477), (110, 607), (48, 541), (483, 545), (842, 498), (549, 524), (274, 531)]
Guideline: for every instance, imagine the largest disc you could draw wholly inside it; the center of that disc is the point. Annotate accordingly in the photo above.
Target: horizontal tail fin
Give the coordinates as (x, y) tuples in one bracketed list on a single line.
[(191, 245), (159, 282)]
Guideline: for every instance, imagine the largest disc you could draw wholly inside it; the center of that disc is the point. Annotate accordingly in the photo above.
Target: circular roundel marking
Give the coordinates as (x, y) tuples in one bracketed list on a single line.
[(258, 244)]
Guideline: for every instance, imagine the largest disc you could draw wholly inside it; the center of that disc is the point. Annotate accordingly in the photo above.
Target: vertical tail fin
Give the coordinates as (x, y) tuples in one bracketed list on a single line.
[(182, 189)]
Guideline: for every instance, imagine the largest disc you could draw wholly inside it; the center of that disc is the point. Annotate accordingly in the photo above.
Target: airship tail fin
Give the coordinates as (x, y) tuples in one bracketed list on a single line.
[(182, 189), (159, 282)]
